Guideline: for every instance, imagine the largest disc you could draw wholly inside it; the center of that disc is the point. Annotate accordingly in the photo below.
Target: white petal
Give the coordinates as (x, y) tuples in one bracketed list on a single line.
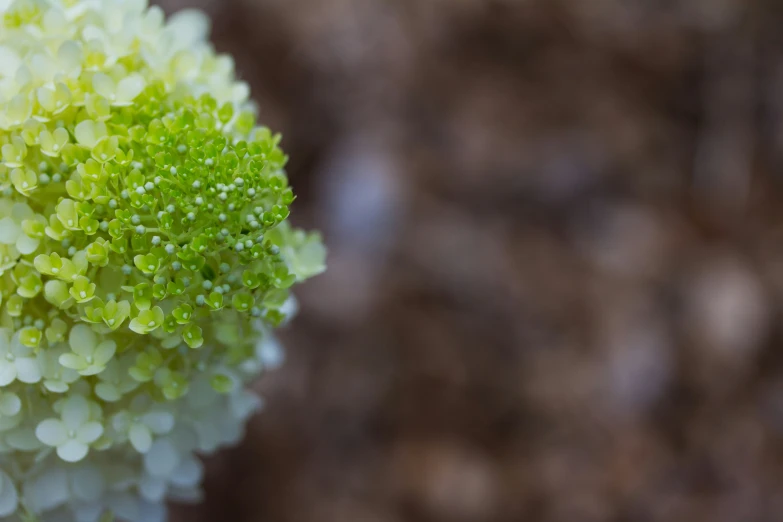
[(130, 87), (245, 403), (23, 439), (27, 370), (107, 391), (56, 386), (72, 451), (47, 491), (21, 211), (104, 86), (54, 21), (187, 474), (152, 488), (9, 231), (10, 404), (104, 352), (9, 61), (89, 432), (240, 92), (18, 349), (75, 412), (7, 373), (85, 133), (87, 483), (124, 505), (89, 512), (52, 432), (140, 437), (159, 422), (188, 26), (270, 352), (26, 244), (70, 56), (82, 340), (162, 458), (8, 495), (152, 512), (121, 421)]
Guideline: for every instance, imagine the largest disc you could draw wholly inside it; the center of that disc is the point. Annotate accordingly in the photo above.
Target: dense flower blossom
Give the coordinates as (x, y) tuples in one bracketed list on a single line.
[(145, 257)]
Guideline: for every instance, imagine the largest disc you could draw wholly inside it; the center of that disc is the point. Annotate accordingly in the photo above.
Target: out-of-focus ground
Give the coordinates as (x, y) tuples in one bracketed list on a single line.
[(556, 261)]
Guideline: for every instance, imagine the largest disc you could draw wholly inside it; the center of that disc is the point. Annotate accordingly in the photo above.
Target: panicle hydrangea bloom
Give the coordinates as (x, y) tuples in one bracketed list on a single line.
[(145, 257)]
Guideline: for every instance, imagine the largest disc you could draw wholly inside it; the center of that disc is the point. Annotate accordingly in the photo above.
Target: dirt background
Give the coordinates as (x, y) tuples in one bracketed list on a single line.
[(556, 261)]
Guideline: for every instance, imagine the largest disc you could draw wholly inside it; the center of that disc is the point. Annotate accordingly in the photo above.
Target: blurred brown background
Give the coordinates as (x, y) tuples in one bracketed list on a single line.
[(556, 261)]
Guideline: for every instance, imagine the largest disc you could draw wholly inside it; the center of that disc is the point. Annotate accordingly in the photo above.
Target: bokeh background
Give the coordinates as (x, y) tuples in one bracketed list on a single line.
[(556, 261)]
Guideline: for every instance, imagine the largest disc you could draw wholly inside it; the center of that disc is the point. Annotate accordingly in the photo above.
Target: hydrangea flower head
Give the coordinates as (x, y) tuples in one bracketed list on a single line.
[(145, 257)]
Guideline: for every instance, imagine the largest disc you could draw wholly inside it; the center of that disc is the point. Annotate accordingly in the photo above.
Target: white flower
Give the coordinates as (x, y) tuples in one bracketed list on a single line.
[(56, 377), (17, 361), (73, 432), (89, 356), (115, 379), (185, 475), (140, 423), (121, 93)]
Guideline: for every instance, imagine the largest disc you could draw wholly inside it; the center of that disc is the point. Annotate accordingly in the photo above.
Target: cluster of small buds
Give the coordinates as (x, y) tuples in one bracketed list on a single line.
[(145, 256)]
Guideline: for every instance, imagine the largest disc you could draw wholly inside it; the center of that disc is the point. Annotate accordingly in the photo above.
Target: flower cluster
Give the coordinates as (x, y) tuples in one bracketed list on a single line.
[(145, 257)]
